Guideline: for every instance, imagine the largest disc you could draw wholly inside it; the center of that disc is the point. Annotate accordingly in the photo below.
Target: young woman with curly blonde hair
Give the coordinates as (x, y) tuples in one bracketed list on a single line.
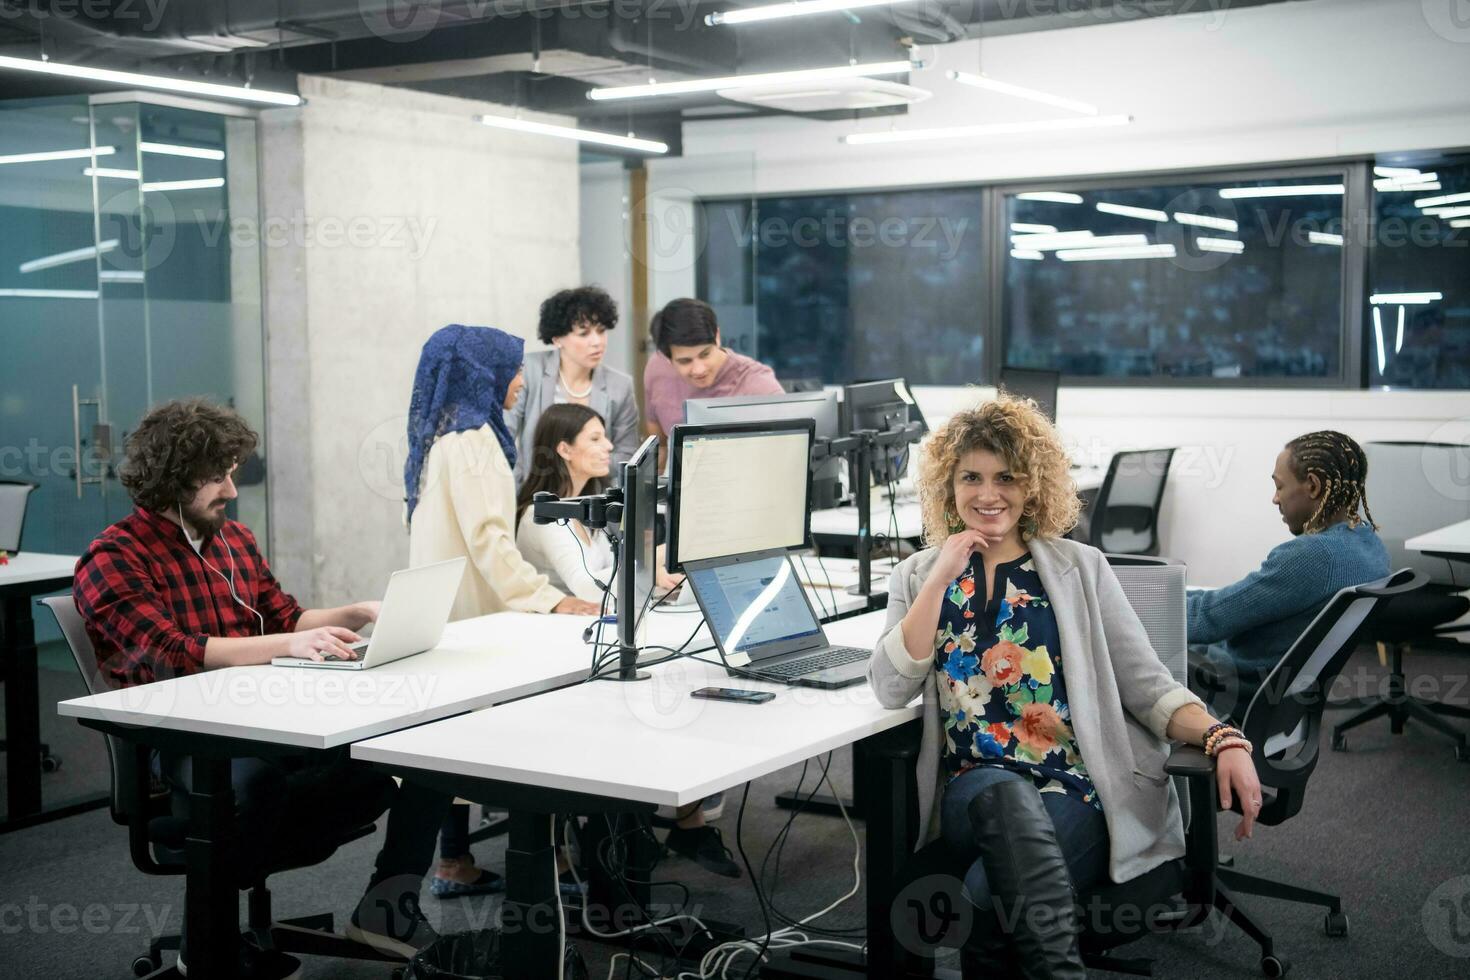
[(1046, 711)]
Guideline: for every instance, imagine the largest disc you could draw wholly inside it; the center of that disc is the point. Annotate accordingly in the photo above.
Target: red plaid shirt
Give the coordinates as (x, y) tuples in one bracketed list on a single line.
[(151, 603)]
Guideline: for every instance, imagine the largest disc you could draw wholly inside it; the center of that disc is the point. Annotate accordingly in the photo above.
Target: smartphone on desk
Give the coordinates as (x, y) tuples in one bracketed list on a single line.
[(738, 695)]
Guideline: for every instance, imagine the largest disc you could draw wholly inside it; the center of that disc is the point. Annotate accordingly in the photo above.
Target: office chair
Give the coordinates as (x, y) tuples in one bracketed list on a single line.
[(1283, 723), (156, 838), (1412, 487), (1125, 518), (14, 496)]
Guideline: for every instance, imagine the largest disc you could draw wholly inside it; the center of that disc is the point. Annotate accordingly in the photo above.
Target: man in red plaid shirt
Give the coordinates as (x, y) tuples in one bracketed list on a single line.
[(177, 587)]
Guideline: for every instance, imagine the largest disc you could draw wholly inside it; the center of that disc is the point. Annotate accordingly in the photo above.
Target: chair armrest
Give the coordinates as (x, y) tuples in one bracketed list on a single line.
[(1189, 761)]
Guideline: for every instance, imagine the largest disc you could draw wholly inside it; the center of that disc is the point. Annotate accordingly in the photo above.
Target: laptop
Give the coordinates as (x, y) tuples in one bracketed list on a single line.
[(763, 623), (412, 620)]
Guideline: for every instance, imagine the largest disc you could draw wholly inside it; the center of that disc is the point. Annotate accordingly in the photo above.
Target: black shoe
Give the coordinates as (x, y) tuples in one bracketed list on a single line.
[(1028, 878), (396, 926), (988, 953), (705, 846)]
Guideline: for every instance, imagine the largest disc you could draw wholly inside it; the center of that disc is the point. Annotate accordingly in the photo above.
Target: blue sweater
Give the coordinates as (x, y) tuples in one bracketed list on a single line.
[(1259, 617)]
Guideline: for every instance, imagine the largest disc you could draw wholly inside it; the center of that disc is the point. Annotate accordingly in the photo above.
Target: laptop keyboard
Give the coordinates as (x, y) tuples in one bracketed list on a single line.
[(828, 658)]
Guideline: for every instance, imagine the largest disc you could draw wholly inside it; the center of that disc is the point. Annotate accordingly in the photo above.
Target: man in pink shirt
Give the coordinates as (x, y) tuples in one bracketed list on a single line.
[(690, 363)]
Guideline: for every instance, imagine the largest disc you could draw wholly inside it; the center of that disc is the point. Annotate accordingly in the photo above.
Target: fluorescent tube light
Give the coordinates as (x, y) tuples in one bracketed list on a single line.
[(1432, 202), (178, 150), (572, 133), (1393, 185), (1398, 342), (1460, 223), (46, 155), (1323, 238), (1455, 212), (1026, 253), (1112, 254), (120, 275), (1206, 221), (1280, 190), (1055, 197), (66, 258), (694, 85), (1378, 336), (50, 293), (986, 129), (1411, 299), (1396, 171), (1128, 211), (1076, 239), (1022, 92), (796, 8), (130, 79), (184, 185), (1228, 245), (111, 172), (1033, 229)]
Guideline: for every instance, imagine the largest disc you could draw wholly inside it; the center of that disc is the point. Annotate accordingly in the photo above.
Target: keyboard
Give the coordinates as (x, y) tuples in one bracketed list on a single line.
[(830, 657)]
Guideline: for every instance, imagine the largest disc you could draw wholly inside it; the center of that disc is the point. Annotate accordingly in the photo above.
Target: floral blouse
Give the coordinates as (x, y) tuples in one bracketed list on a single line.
[(1001, 690)]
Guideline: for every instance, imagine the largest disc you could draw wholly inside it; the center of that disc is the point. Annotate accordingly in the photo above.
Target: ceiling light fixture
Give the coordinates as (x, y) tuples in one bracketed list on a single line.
[(1076, 239), (1054, 197), (1114, 254), (1033, 229), (185, 185), (1430, 202), (1228, 245), (1280, 190), (43, 157), (111, 172), (629, 142), (696, 85), (1128, 211), (178, 150), (1323, 238), (66, 258), (1396, 171), (1021, 92), (50, 293), (1409, 299), (130, 79), (1030, 254), (1206, 221), (986, 129), (796, 8)]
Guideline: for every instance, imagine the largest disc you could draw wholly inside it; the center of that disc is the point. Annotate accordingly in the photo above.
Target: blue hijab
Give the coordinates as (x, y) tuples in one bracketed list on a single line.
[(462, 379)]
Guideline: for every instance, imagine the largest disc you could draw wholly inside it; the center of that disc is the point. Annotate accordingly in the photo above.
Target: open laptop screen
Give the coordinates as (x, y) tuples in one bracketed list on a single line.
[(755, 607)]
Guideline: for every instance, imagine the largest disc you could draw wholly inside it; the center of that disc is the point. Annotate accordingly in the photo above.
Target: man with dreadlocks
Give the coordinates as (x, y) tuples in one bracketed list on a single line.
[(1240, 632)]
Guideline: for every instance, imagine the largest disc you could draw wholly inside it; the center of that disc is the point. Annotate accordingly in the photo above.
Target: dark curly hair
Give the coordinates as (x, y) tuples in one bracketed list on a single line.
[(180, 446), (563, 311)]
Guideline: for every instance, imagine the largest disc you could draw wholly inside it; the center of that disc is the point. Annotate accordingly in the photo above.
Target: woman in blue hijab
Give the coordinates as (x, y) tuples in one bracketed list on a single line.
[(461, 503)]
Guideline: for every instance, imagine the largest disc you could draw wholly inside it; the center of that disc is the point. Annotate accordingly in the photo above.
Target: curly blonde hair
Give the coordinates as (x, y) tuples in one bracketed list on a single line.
[(1015, 430)]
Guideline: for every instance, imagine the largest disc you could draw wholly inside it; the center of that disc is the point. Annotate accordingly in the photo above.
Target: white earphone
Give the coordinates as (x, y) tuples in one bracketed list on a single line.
[(230, 579)]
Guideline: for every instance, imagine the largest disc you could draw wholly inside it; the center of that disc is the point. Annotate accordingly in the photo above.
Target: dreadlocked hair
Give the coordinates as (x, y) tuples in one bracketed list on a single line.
[(1342, 466)]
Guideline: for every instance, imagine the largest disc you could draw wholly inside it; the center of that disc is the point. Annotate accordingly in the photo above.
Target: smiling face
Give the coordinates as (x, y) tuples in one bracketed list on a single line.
[(585, 346), (589, 455), (1297, 499), (987, 496), (699, 365)]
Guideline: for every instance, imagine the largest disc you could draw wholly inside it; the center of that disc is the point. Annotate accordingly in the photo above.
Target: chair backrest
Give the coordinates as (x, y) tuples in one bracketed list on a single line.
[(1039, 386), (1155, 589), (1414, 487), (1284, 719), (13, 498), (1125, 519)]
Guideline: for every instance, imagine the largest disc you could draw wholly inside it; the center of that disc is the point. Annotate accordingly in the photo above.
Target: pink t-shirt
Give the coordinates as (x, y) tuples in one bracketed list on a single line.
[(665, 391)]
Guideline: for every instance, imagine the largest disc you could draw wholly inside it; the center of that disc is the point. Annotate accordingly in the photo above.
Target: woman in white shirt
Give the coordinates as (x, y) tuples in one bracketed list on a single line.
[(570, 455)]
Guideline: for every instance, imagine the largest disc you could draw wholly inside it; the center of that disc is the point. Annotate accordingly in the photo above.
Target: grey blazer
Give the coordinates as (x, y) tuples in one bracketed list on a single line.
[(611, 397), (1120, 694)]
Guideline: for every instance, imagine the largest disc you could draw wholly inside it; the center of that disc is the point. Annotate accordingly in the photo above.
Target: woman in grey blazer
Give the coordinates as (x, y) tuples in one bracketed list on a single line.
[(575, 323), (1046, 711)]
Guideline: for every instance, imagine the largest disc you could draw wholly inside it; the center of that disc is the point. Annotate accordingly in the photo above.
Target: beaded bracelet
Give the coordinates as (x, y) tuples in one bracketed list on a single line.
[(1228, 731), (1217, 726), (1231, 743)]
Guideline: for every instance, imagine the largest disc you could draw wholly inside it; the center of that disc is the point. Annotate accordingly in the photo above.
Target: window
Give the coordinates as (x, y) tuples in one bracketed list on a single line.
[(1418, 326), (1214, 279), (841, 287)]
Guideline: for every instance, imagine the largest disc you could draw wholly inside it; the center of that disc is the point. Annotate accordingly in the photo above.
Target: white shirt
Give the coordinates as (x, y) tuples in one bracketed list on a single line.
[(568, 562)]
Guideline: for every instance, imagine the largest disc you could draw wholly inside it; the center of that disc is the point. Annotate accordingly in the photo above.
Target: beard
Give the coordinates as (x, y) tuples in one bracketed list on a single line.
[(206, 520)]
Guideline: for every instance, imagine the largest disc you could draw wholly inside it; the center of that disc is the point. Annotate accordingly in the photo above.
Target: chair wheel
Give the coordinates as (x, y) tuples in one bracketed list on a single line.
[(1335, 924), (50, 763), (142, 966), (1275, 966), (1339, 743)]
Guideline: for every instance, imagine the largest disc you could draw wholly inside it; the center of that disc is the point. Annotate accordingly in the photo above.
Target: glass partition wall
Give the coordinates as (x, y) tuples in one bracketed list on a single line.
[(129, 275)]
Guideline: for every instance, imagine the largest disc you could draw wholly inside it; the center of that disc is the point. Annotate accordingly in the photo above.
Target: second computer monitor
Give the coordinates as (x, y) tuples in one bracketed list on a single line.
[(819, 406), (1039, 386), (880, 406), (638, 569), (739, 488)]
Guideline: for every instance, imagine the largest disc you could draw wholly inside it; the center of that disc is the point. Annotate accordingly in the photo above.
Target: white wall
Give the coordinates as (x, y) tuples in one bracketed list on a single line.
[(404, 215), (606, 257), (1284, 82)]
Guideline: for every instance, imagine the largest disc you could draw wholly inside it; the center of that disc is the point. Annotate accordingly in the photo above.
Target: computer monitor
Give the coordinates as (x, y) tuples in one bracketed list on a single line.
[(739, 488), (638, 561), (1039, 386), (819, 406), (880, 406)]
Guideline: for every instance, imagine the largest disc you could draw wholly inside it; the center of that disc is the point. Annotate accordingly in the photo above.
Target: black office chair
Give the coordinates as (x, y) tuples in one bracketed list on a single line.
[(156, 838), (1124, 520), (1283, 723), (14, 496)]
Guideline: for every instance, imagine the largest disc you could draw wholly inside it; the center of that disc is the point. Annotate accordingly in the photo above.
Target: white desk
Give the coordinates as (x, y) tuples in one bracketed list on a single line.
[(23, 577), (1452, 542), (655, 745)]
